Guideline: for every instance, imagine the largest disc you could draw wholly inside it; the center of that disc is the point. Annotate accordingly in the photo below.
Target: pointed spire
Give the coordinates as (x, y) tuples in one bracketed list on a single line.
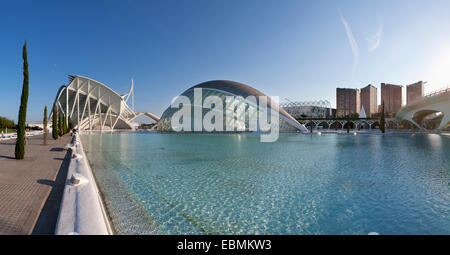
[(362, 114)]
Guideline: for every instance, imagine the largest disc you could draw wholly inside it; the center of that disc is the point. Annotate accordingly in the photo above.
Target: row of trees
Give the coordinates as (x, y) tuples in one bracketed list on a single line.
[(64, 125), (60, 126), (6, 123)]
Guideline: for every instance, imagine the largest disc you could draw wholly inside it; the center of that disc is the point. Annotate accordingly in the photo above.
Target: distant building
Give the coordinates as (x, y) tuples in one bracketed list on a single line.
[(348, 102), (369, 100), (392, 96), (39, 125), (307, 109), (414, 92)]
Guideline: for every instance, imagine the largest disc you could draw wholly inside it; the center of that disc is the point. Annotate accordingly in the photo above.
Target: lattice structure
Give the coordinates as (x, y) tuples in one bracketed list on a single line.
[(317, 103), (318, 108), (92, 105)]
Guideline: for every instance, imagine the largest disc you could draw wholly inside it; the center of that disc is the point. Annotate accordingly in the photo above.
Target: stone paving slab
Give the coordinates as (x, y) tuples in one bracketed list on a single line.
[(31, 189)]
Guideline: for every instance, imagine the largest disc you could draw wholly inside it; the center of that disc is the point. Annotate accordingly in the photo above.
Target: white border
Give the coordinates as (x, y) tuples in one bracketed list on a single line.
[(81, 211)]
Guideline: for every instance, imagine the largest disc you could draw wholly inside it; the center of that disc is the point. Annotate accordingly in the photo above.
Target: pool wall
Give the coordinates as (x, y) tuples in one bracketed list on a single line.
[(82, 211)]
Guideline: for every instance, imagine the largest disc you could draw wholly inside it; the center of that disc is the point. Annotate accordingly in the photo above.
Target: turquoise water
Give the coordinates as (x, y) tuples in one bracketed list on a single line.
[(156, 183)]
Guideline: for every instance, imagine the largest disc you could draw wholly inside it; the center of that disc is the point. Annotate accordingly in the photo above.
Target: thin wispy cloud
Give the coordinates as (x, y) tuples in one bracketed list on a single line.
[(374, 41), (352, 41)]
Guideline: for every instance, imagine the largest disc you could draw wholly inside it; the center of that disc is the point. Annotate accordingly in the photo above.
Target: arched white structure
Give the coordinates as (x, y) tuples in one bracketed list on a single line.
[(148, 114), (241, 109), (92, 105), (436, 102)]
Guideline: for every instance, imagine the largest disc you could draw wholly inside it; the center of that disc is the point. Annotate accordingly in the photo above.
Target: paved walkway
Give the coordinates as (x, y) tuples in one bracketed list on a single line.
[(31, 189)]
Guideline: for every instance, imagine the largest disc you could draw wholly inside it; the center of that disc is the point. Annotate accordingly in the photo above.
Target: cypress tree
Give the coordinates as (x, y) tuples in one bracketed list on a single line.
[(54, 123), (60, 127), (382, 120), (45, 125), (348, 124), (20, 141), (64, 123), (70, 125)]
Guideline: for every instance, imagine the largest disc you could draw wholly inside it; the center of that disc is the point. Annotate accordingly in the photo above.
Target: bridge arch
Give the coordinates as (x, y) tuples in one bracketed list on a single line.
[(433, 103)]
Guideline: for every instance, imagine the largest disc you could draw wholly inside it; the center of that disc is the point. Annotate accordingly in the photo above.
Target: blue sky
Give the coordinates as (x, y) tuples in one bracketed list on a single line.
[(301, 50)]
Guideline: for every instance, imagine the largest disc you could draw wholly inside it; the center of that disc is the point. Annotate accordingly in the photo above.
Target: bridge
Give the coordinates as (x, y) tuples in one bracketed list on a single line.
[(340, 123), (437, 103), (148, 114)]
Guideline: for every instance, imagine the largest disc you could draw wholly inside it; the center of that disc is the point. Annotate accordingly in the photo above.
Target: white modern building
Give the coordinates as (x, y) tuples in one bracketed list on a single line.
[(240, 108), (92, 105), (306, 109)]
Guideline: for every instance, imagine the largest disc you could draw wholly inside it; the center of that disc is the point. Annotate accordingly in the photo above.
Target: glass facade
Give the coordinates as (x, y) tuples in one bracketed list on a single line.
[(242, 114)]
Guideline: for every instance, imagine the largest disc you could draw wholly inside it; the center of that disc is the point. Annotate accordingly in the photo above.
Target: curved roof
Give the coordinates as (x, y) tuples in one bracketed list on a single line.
[(86, 101), (232, 87), (73, 76), (240, 89)]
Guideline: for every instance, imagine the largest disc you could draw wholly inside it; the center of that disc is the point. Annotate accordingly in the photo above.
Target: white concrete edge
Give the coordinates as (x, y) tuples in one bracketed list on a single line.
[(81, 211)]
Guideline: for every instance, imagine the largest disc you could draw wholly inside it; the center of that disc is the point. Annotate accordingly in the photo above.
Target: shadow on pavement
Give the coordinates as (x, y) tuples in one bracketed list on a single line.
[(46, 223)]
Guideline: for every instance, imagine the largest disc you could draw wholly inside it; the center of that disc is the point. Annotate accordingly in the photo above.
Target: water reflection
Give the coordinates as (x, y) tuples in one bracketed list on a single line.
[(302, 184)]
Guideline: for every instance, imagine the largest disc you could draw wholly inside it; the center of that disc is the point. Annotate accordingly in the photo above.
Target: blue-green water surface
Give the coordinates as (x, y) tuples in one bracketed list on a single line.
[(155, 183)]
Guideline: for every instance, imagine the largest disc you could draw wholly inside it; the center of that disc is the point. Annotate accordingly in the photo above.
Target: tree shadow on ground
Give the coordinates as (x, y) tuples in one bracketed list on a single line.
[(46, 182), (7, 157)]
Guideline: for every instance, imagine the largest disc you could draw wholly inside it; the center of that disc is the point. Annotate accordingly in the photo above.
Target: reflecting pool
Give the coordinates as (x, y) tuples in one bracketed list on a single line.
[(154, 183)]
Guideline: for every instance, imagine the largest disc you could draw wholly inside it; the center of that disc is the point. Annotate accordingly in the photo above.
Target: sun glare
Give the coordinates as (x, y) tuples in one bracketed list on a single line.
[(438, 73)]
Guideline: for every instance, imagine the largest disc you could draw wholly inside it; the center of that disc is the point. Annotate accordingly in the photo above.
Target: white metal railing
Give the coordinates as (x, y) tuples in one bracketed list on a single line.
[(438, 92), (419, 102)]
